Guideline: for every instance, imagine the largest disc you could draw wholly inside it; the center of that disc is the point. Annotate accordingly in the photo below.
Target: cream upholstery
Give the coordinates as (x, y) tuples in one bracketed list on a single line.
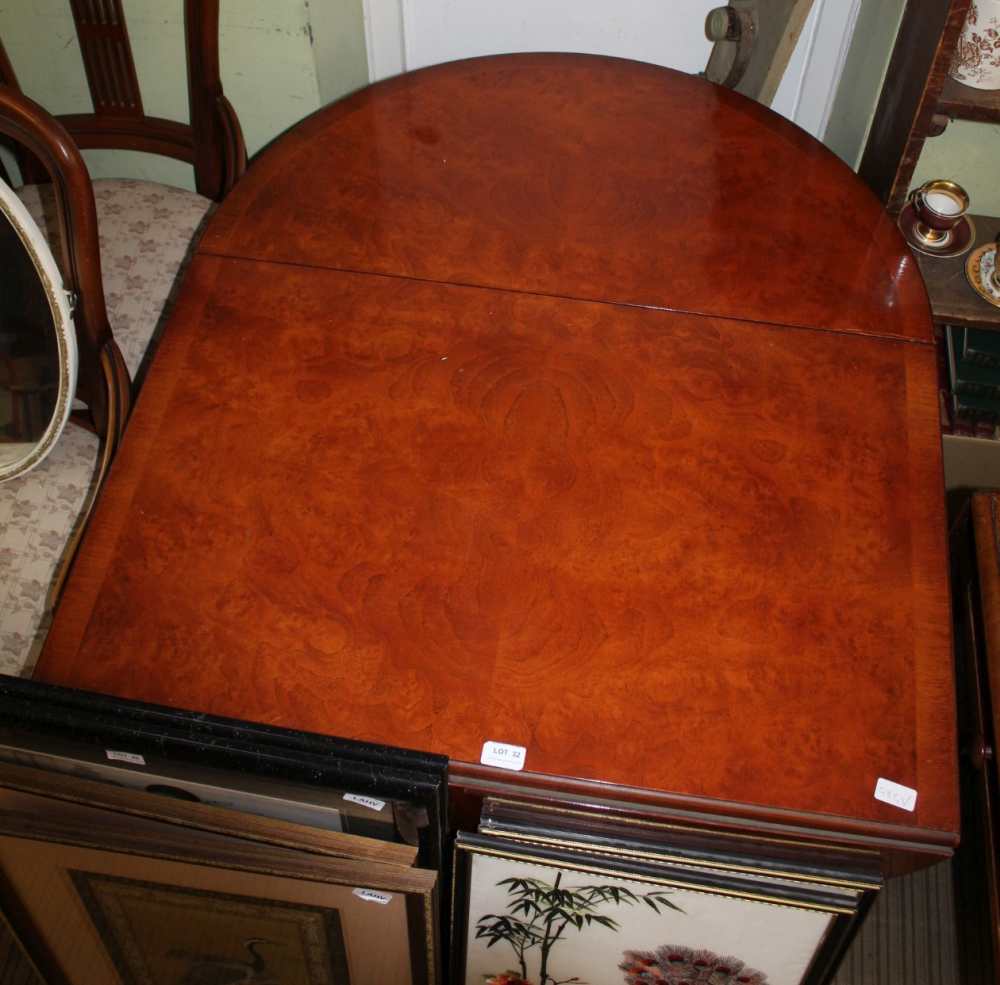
[(38, 512), (146, 232)]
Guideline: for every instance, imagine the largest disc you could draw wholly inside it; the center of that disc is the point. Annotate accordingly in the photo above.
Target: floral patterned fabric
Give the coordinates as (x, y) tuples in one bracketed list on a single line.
[(38, 512), (146, 231)]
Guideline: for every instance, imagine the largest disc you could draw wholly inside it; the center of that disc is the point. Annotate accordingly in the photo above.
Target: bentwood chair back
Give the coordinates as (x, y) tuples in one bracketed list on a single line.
[(120, 245), (135, 233)]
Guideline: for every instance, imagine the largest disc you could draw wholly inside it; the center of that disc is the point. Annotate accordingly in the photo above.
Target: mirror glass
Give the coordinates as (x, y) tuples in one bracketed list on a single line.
[(37, 342)]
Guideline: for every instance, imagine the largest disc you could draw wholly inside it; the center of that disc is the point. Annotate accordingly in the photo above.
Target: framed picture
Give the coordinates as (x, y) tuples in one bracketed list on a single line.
[(118, 805), (631, 836), (532, 914), (101, 897), (359, 788)]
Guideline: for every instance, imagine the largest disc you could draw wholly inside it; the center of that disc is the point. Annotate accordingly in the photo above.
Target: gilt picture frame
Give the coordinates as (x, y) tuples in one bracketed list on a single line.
[(99, 897), (642, 838), (147, 925)]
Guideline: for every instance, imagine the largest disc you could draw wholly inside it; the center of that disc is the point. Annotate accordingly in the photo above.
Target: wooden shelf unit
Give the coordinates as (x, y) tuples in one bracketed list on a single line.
[(909, 107), (917, 102), (953, 301), (962, 102)]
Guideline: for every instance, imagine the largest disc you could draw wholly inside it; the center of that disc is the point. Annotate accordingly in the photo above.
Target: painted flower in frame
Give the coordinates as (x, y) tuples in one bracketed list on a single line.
[(674, 964), (541, 916)]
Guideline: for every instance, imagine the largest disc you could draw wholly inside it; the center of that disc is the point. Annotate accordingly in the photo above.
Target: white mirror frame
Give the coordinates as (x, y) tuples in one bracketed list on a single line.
[(34, 242)]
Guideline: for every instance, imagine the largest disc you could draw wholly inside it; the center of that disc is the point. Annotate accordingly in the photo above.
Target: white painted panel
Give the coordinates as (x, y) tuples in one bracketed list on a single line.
[(408, 34), (827, 57), (384, 38), (806, 92), (666, 33), (786, 99)]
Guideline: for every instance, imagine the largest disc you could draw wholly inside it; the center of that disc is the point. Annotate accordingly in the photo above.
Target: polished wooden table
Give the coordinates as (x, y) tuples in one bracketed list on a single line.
[(561, 401)]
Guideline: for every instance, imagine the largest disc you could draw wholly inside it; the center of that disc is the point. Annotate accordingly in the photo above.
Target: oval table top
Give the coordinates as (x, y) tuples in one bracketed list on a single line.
[(585, 177), (555, 400)]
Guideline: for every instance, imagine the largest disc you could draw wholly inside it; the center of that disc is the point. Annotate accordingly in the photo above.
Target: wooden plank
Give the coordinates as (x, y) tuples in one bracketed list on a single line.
[(15, 968), (953, 301), (786, 19), (962, 102), (976, 586), (920, 61)]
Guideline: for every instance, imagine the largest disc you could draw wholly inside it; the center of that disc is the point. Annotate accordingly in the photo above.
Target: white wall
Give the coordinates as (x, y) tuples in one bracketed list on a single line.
[(408, 34), (806, 93), (861, 82), (649, 30)]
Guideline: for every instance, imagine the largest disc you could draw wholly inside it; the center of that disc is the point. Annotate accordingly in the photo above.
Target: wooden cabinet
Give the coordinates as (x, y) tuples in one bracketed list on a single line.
[(917, 97)]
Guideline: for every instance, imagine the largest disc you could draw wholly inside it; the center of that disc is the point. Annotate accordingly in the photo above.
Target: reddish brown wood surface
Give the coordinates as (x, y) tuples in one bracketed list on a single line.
[(658, 550), (107, 57), (662, 550), (964, 102), (48, 149), (211, 140), (587, 177)]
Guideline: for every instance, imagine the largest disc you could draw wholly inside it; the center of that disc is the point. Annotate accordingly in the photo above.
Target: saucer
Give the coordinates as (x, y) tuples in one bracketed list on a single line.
[(957, 241), (979, 269)]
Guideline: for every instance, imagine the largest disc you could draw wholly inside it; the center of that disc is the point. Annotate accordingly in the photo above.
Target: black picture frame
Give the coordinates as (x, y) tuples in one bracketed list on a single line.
[(626, 835), (54, 720)]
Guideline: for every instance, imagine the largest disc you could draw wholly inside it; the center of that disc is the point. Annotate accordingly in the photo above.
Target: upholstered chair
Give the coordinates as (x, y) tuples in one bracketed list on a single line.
[(121, 245)]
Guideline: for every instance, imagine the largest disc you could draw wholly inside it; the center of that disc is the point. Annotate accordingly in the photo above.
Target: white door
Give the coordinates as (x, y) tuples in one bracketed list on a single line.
[(406, 34)]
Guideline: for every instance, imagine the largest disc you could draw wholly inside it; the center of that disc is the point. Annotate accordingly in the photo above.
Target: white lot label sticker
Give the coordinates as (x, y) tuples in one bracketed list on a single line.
[(373, 896), (501, 754), (370, 802), (895, 794), (125, 757)]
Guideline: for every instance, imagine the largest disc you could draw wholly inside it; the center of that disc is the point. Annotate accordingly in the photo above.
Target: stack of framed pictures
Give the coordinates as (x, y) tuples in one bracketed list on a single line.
[(547, 894), (145, 845)]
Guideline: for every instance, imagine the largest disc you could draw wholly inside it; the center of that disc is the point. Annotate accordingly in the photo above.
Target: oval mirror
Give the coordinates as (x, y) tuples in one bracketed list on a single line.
[(38, 357)]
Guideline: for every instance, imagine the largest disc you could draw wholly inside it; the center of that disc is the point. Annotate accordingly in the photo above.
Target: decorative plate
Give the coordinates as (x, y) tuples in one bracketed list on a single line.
[(979, 269)]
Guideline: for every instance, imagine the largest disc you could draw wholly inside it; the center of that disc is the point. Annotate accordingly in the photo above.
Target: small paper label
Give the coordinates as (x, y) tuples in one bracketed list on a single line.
[(370, 802), (896, 794), (501, 754), (373, 896), (125, 757)]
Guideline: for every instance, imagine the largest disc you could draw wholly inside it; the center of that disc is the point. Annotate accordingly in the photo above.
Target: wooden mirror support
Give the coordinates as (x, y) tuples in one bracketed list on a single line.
[(38, 356)]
